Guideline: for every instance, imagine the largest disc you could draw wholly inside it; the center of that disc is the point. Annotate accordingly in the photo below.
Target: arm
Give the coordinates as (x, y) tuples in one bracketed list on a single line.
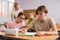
[(53, 27), (2, 28), (29, 27)]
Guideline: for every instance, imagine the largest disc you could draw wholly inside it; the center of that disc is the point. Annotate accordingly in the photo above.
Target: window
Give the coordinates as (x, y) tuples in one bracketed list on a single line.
[(6, 7)]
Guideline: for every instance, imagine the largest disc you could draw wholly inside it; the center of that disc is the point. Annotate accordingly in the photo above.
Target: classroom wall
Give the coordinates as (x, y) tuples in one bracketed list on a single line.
[(52, 5)]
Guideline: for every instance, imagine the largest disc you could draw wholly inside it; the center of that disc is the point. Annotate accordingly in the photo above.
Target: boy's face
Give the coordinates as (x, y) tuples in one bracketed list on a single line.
[(41, 14), (21, 18)]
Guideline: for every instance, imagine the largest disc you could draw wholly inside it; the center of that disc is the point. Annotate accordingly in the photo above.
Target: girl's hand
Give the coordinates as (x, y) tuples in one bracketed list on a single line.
[(23, 31)]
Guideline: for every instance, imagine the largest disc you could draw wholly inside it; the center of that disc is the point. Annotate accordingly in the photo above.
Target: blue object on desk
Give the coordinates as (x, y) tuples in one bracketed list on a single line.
[(28, 34)]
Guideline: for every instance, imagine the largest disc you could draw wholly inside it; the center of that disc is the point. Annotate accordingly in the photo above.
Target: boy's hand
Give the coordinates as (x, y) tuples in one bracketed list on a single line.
[(40, 33)]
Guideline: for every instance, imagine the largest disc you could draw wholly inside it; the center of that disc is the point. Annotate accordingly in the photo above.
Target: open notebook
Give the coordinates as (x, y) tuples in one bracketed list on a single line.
[(28, 34)]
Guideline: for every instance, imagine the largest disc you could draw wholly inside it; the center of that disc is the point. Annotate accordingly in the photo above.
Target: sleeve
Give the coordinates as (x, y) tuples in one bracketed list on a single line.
[(9, 25), (20, 9), (52, 21), (31, 25), (28, 22), (23, 23)]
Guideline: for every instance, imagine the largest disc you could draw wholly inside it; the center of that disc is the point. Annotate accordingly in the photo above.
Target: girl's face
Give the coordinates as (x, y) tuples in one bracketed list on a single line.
[(31, 16), (41, 14), (21, 18), (17, 7)]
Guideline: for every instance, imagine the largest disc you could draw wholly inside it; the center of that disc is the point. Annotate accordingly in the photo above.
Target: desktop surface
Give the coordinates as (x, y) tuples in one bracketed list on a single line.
[(42, 37)]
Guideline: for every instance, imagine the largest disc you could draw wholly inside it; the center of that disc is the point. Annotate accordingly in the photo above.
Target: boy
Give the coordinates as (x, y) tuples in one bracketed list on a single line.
[(43, 24)]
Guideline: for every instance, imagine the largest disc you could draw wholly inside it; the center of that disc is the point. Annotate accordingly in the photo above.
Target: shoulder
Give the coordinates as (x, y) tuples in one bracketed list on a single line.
[(20, 10), (51, 19), (35, 19)]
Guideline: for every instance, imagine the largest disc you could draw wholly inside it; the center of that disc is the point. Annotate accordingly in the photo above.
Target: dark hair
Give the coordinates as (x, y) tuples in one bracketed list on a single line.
[(19, 14), (42, 8)]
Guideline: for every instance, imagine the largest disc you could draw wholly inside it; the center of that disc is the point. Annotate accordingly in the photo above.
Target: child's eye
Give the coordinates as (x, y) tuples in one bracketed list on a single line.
[(22, 18)]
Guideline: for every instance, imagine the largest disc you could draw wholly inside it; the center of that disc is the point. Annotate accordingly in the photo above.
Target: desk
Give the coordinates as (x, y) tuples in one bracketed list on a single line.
[(44, 37)]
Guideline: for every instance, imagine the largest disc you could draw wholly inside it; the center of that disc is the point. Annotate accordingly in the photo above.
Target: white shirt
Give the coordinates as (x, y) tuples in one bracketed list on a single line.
[(15, 13)]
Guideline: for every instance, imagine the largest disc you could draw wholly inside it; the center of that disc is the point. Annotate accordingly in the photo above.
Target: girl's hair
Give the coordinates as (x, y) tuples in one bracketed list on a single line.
[(42, 8), (19, 14)]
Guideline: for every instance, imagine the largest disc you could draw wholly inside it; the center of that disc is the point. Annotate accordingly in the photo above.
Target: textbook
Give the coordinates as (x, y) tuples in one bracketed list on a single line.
[(11, 32)]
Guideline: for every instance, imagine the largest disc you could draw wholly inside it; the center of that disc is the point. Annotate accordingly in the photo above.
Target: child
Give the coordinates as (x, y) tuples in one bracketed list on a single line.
[(18, 23), (42, 24), (30, 18)]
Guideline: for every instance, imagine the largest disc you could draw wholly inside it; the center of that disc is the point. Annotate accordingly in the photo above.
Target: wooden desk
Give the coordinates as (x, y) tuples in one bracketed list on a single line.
[(44, 37)]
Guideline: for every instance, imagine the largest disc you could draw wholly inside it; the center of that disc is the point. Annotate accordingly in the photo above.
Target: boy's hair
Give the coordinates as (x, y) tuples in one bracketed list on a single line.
[(42, 8), (19, 14)]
